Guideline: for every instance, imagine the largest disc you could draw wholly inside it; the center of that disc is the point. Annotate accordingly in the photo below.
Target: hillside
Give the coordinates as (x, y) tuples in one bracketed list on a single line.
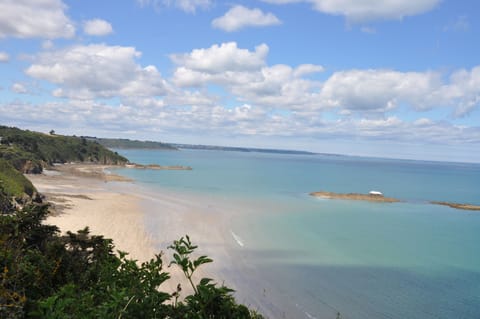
[(240, 149), (14, 187), (12, 182), (78, 275), (122, 143), (30, 152)]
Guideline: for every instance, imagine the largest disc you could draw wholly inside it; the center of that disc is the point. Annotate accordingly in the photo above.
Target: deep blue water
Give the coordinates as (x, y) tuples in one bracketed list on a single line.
[(365, 260)]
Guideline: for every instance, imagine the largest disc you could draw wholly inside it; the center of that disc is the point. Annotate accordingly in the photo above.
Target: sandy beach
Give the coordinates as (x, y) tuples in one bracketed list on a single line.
[(110, 205), (143, 222), (82, 195)]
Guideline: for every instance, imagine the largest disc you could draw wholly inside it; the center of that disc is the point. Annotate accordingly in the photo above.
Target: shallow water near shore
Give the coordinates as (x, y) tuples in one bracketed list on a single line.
[(297, 256)]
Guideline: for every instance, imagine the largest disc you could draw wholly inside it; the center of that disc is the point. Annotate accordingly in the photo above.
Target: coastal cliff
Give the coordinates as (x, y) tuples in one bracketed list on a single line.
[(52, 272), (31, 152), (27, 152)]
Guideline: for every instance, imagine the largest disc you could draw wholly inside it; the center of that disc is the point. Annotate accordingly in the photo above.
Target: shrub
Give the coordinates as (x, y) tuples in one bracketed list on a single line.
[(45, 275)]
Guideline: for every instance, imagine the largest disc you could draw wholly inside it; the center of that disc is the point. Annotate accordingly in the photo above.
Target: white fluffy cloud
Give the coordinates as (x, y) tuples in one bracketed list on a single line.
[(368, 10), (380, 90), (279, 86), (221, 58), (34, 19), (239, 17), (19, 88), (97, 71), (383, 90), (189, 6), (264, 100), (463, 90), (4, 57), (97, 27), (247, 77), (305, 69)]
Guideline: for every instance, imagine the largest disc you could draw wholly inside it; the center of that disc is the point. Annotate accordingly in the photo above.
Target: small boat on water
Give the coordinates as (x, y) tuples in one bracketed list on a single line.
[(375, 193)]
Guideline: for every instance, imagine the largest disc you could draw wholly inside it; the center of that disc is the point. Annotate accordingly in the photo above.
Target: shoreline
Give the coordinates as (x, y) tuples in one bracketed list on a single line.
[(85, 196), (144, 221), (110, 205)]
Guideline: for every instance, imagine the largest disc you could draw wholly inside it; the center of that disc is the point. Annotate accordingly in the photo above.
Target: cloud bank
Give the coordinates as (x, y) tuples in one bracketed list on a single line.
[(226, 90)]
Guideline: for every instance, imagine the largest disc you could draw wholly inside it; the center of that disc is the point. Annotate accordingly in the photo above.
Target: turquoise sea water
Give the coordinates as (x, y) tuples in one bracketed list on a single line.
[(315, 257)]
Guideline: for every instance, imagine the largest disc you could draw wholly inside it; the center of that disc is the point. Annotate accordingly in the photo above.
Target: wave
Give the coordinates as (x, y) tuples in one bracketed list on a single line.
[(237, 239)]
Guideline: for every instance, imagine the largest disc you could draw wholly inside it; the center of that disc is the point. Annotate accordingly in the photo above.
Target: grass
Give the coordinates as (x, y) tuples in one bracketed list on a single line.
[(13, 182)]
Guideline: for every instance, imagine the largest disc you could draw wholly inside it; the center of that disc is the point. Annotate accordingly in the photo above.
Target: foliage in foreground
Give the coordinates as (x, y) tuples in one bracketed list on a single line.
[(44, 275)]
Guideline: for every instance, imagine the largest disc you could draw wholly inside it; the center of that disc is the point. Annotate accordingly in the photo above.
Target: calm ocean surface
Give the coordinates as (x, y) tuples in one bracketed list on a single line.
[(364, 260)]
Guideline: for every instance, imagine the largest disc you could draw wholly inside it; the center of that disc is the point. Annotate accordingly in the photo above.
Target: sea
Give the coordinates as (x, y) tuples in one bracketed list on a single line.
[(306, 257)]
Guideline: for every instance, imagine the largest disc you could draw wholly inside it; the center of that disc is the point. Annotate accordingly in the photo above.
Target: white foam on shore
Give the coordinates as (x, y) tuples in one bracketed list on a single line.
[(305, 312), (237, 239)]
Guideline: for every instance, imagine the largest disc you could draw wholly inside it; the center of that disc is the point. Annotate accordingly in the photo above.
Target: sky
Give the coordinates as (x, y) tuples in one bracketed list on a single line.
[(383, 78)]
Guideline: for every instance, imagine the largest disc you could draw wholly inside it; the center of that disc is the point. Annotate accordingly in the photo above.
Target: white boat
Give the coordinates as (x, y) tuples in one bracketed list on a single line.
[(375, 193)]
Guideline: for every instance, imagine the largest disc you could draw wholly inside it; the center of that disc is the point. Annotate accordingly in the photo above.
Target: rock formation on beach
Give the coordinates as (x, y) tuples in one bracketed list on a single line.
[(355, 196), (457, 205), (159, 167)]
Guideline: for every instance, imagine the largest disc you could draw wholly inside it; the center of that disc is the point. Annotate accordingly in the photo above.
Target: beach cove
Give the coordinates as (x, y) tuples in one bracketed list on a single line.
[(114, 206), (292, 255)]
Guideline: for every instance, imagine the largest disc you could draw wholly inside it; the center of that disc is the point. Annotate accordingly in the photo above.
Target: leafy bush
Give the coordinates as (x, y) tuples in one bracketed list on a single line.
[(13, 183), (45, 275)]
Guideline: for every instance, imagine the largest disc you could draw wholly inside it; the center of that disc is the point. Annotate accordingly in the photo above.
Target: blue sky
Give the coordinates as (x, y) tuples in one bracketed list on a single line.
[(360, 77)]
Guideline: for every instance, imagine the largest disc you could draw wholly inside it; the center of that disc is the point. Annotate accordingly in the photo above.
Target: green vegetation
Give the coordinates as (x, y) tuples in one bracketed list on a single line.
[(5, 201), (241, 149), (30, 151), (12, 182), (44, 275), (23, 161), (132, 144)]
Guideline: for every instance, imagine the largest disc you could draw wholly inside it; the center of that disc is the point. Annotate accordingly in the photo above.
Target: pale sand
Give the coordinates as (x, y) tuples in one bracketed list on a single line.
[(126, 212), (91, 202), (83, 195)]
